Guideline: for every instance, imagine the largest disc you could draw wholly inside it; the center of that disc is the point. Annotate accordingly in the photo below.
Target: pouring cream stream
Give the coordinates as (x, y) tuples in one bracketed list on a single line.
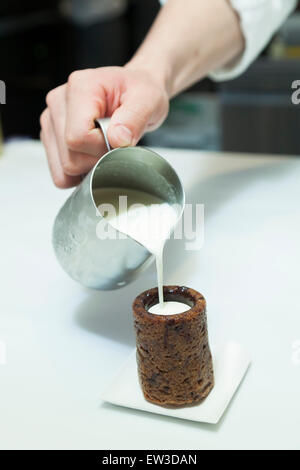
[(148, 220)]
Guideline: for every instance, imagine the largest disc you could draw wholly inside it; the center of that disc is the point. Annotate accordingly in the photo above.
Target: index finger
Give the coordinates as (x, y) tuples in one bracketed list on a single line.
[(84, 106)]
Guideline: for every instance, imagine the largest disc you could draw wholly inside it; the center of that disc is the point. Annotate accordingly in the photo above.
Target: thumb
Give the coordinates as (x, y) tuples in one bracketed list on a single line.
[(129, 122)]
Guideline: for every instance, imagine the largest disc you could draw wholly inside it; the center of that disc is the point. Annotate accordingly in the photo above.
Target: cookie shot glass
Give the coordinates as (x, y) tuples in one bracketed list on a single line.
[(173, 356)]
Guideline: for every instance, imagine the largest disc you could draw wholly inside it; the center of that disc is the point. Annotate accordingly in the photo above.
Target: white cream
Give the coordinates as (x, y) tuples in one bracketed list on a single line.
[(144, 217), (169, 308)]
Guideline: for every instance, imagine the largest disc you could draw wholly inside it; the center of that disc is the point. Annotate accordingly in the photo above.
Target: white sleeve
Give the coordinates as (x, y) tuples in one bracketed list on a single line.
[(259, 21)]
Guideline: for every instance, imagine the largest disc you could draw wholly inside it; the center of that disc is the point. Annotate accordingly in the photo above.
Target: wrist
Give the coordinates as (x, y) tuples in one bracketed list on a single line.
[(157, 68)]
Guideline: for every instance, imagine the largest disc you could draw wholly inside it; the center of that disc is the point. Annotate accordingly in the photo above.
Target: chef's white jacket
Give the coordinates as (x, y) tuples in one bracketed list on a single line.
[(259, 21)]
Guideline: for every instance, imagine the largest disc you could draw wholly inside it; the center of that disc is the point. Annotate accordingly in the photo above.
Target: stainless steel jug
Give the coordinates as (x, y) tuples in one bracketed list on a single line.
[(111, 263)]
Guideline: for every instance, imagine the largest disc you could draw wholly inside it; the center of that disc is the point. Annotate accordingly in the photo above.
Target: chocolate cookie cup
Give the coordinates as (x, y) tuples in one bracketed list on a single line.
[(173, 355)]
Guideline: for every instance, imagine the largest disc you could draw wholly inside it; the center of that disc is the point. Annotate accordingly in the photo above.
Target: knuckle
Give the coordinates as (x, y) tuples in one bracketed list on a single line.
[(51, 97), (74, 142), (79, 80), (140, 117), (70, 168), (75, 77), (54, 95), (43, 118)]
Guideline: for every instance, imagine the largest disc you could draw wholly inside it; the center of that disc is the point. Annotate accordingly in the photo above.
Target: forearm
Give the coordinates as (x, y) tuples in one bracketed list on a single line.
[(189, 39)]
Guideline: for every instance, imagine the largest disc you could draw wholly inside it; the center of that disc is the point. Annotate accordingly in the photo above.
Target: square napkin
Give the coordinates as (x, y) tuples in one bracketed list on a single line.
[(230, 365)]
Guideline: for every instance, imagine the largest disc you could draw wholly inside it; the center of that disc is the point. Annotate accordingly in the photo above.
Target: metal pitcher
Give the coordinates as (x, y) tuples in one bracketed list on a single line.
[(111, 263)]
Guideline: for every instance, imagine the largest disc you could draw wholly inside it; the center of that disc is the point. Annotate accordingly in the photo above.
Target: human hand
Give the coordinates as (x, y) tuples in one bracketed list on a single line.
[(135, 101)]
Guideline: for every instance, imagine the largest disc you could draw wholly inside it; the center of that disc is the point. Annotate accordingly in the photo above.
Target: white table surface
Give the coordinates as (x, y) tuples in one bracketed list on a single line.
[(64, 342)]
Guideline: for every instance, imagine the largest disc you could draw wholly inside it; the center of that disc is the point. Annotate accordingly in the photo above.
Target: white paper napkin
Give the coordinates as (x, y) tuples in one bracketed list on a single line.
[(230, 365)]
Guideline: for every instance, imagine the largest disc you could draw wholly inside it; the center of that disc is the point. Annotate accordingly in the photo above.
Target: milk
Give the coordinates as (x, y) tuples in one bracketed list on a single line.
[(169, 308), (145, 218)]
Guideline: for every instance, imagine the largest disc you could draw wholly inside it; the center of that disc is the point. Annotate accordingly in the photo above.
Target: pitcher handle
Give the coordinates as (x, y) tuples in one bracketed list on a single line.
[(102, 124)]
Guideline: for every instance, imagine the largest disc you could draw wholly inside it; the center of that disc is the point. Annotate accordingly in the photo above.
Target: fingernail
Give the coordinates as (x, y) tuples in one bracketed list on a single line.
[(123, 135)]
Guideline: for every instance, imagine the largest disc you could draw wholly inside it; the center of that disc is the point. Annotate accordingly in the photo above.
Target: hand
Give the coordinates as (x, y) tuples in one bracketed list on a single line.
[(135, 101)]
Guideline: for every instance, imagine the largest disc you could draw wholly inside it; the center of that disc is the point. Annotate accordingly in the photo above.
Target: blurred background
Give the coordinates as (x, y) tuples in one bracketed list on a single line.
[(41, 43)]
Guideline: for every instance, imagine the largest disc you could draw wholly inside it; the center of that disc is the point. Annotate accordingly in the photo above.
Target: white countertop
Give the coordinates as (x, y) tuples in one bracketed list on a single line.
[(64, 343)]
